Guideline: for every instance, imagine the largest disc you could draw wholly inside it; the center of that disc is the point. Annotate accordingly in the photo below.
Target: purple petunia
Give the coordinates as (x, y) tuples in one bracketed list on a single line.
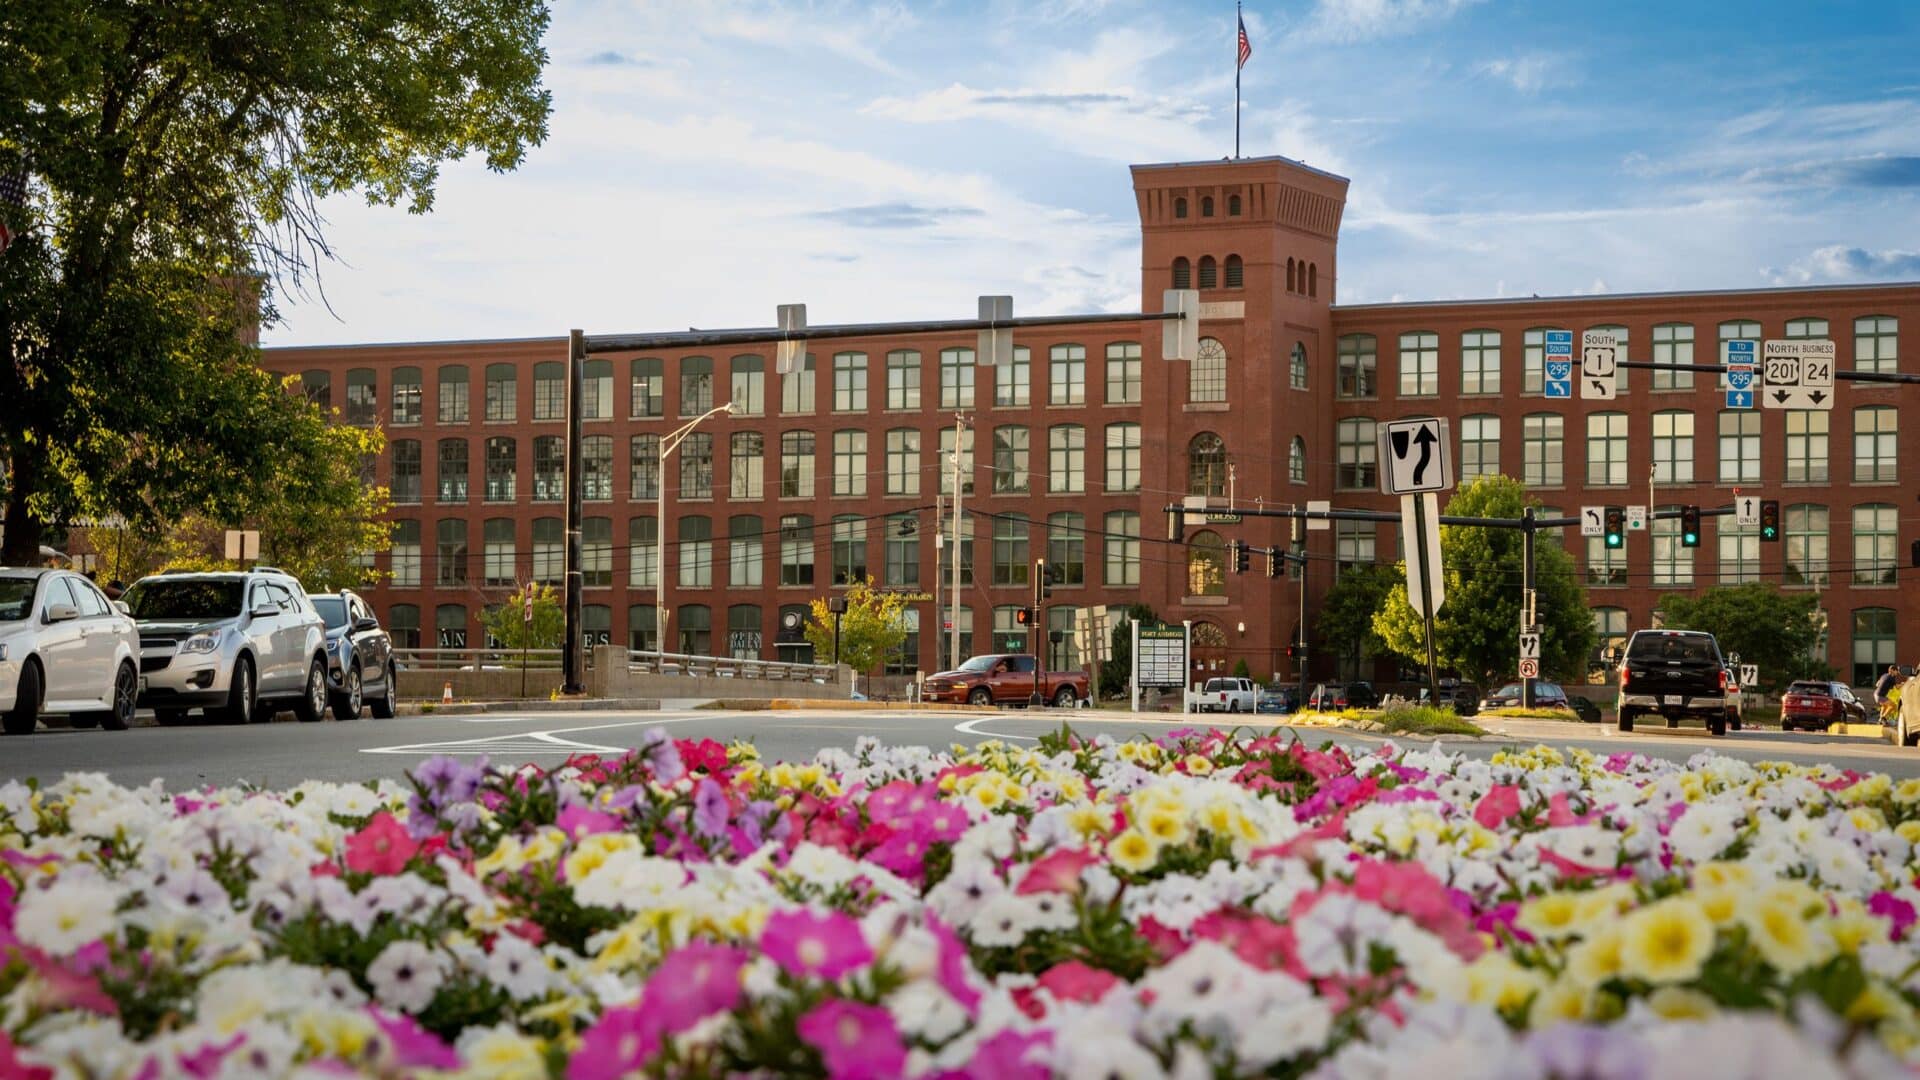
[(710, 809)]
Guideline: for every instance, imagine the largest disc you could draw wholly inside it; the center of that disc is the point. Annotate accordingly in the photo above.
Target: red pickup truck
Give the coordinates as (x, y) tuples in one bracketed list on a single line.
[(1005, 679)]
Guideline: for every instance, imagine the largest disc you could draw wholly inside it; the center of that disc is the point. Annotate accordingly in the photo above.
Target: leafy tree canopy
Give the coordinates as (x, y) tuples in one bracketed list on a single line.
[(177, 156), (1776, 630), (1115, 672), (1477, 630), (1346, 615), (873, 626), (508, 624)]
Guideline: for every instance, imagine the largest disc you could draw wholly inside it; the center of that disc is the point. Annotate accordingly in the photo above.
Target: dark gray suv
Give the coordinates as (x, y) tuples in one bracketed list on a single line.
[(360, 668)]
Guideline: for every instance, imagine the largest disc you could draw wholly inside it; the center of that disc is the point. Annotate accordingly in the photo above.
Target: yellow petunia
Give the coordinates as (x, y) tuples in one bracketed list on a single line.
[(1677, 1003), (1551, 917), (1165, 826), (1133, 851), (1785, 938), (1666, 942)]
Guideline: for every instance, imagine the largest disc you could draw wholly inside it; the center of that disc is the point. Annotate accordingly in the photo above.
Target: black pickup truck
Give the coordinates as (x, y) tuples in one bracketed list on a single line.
[(1673, 673)]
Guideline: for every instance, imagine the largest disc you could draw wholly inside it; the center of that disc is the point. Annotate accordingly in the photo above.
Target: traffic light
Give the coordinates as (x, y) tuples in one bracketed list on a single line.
[(1690, 526), (1049, 576), (1293, 651), (1242, 556), (1273, 562), (1023, 616), (1916, 553), (1176, 525), (1769, 520), (1616, 527)]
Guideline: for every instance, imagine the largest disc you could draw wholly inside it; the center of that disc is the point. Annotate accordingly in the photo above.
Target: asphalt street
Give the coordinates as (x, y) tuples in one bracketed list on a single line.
[(283, 754)]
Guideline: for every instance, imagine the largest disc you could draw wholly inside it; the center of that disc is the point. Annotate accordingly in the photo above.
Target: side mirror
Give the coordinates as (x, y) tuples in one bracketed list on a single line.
[(121, 607), (364, 625), (61, 612), (265, 611)]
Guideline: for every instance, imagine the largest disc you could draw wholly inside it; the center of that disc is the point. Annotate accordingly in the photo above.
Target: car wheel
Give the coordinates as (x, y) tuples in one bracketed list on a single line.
[(312, 706), (1717, 725), (387, 705), (126, 694), (1908, 738), (25, 714), (242, 694), (1065, 699), (981, 696), (170, 717), (1626, 719), (1733, 720), (346, 705)]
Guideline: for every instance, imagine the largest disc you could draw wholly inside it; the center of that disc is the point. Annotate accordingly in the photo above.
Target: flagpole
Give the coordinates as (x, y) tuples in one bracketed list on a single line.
[(1236, 78)]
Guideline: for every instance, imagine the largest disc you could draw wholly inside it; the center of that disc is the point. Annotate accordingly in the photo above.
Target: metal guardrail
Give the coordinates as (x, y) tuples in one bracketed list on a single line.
[(728, 667), (476, 659)]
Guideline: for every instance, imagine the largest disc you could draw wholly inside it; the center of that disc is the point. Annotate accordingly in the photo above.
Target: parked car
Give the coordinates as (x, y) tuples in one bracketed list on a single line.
[(1462, 698), (238, 644), (1906, 724), (1005, 679), (1332, 697), (359, 657), (1588, 712), (1675, 673), (1817, 705), (1229, 694), (1278, 699), (64, 648), (1546, 695)]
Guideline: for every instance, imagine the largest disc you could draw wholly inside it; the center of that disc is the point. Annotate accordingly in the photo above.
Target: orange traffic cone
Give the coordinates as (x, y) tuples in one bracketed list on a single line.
[(446, 692)]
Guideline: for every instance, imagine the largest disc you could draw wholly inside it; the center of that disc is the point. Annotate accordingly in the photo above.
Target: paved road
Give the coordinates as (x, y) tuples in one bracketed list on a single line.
[(283, 754)]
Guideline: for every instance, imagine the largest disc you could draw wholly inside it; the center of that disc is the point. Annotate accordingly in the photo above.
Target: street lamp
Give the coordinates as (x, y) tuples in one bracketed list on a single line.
[(668, 444)]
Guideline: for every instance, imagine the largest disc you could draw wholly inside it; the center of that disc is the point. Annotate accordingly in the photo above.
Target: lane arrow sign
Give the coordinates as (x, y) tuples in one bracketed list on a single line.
[(1424, 440)]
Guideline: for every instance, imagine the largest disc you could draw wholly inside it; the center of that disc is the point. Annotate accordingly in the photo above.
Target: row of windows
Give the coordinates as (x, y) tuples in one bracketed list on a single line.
[(901, 465), (1876, 437), (1210, 273), (853, 554), (1876, 342), (1206, 206), (851, 389)]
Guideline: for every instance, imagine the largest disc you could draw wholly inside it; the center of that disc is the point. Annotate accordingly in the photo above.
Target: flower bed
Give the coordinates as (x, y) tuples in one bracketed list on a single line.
[(1200, 905)]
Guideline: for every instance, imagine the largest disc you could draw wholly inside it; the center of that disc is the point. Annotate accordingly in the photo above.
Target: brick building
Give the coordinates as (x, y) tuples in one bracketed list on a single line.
[(1072, 451)]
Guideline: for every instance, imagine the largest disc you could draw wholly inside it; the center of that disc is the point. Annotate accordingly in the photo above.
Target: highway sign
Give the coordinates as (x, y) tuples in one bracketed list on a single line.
[(1592, 518), (995, 345), (1741, 380), (1529, 669), (1180, 338), (1636, 519), (1415, 455), (1426, 585), (1529, 646), (1559, 363), (1319, 506), (1797, 374), (1600, 354), (1747, 511), (791, 318)]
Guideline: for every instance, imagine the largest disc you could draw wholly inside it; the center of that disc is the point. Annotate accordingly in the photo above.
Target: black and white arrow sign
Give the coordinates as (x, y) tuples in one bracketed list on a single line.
[(1415, 456)]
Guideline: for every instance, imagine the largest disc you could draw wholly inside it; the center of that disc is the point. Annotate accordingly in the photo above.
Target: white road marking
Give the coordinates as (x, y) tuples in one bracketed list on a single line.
[(966, 727), (529, 742)]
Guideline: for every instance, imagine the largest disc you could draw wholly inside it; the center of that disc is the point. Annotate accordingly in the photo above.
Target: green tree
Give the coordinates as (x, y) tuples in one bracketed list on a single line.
[(1476, 632), (508, 625), (873, 626), (1115, 672), (178, 156), (1776, 630), (1345, 622)]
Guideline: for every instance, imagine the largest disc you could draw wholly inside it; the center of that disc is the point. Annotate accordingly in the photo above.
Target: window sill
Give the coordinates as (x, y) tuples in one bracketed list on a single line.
[(1205, 601), (497, 422), (403, 423), (1056, 405), (450, 502), (1205, 407), (1875, 483), (1875, 587)]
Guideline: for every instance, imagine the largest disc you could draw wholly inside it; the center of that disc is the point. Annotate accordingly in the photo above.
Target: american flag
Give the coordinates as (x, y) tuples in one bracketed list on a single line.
[(13, 197), (1246, 47)]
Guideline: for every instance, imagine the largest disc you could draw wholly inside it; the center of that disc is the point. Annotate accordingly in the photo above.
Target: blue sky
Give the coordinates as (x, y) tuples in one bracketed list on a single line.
[(708, 160)]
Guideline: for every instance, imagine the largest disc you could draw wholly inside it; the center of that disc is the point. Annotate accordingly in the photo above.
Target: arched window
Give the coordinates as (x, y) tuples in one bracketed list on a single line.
[(1207, 376), (1313, 279), (1209, 272), (1233, 206), (1290, 273), (318, 386), (1297, 367), (1207, 565), (1207, 465), (1297, 461), (1236, 272), (1179, 208), (1182, 273), (1206, 206), (696, 629)]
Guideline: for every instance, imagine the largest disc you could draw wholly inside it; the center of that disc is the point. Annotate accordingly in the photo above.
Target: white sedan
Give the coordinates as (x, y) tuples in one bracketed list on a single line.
[(64, 648)]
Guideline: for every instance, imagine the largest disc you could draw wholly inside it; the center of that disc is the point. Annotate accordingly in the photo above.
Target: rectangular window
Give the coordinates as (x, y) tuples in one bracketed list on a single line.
[(1605, 565), (903, 379), (1480, 362), (1123, 457), (1010, 551), (1606, 449), (1067, 548), (648, 391), (1673, 448), (1876, 536), (1739, 446), (406, 470), (945, 464), (596, 552), (1122, 547), (1672, 560), (696, 385), (796, 465), (903, 462), (1533, 361), (1013, 382), (696, 553), (1067, 459), (1875, 643), (796, 550), (1806, 540), (549, 391), (644, 459), (1479, 448), (501, 469), (1810, 328), (1739, 552), (1807, 446), (1419, 364), (747, 465), (1672, 344), (453, 471), (1357, 448), (903, 551), (749, 390), (1876, 437), (363, 398), (850, 463), (849, 551), (1354, 544), (1359, 363), (1067, 375), (454, 394), (1876, 344), (450, 552), (1543, 441), (596, 391), (796, 388), (405, 554), (406, 395), (1010, 463), (643, 551), (743, 632), (1123, 373), (696, 466), (503, 392), (596, 468), (745, 551), (850, 382), (956, 378)]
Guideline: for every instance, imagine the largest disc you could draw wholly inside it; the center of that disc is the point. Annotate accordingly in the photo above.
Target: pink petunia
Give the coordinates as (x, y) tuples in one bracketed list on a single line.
[(411, 1046), (856, 1041), (1893, 909), (1075, 981), (1057, 871), (1012, 1055), (382, 848), (12, 1066), (694, 982), (1497, 806), (955, 966), (619, 1044), (580, 822), (824, 946)]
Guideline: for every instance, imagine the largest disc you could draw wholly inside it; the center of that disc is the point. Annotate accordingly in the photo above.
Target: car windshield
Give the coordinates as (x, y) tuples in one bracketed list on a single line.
[(332, 609), (980, 663), (1222, 684), (1821, 689), (1509, 690), (1695, 647), (184, 600), (16, 598)]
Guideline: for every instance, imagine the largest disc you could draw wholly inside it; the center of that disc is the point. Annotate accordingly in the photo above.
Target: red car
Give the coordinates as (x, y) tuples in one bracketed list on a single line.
[(1818, 705)]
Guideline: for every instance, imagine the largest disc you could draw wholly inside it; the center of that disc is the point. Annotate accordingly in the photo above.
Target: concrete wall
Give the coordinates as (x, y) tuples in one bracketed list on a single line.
[(477, 685), (609, 677)]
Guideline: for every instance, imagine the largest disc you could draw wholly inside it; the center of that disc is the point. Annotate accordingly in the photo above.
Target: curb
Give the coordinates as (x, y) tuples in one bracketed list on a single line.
[(434, 708)]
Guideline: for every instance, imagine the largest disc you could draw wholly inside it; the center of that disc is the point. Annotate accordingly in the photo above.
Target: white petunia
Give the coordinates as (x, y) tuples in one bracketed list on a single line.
[(406, 976), (69, 914), (519, 968)]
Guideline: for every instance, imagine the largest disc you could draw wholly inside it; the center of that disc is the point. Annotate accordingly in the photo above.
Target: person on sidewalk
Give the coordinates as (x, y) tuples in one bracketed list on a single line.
[(1883, 688)]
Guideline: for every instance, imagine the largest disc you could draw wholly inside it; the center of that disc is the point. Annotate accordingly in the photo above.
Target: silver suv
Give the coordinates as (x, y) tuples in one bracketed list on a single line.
[(235, 644)]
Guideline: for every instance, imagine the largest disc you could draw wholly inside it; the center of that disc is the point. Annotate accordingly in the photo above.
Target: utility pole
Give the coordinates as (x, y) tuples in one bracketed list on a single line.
[(1035, 635), (572, 650), (1295, 535), (1529, 601), (953, 644), (939, 553)]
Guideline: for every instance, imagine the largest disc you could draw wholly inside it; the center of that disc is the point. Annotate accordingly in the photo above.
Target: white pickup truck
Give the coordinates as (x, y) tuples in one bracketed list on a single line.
[(1226, 694)]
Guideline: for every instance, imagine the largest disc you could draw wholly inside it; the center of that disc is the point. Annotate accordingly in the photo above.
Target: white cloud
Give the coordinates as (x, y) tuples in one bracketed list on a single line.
[(1530, 73), (1350, 21), (1839, 263)]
